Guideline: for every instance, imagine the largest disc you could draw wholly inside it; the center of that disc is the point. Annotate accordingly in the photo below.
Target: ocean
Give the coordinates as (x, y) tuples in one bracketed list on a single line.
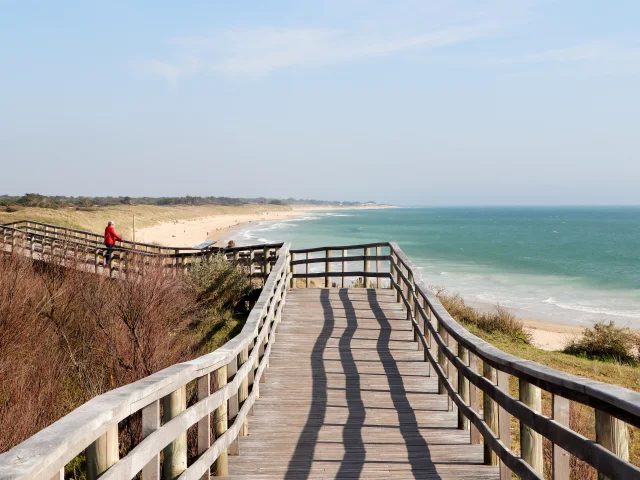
[(574, 265)]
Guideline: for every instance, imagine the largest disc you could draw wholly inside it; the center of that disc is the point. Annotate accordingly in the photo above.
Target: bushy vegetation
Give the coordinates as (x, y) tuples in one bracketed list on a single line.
[(606, 341), (218, 284), (14, 203), (67, 336), (499, 320)]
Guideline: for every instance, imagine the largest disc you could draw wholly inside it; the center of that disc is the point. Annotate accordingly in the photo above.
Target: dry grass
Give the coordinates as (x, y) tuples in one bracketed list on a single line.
[(499, 320), (94, 219)]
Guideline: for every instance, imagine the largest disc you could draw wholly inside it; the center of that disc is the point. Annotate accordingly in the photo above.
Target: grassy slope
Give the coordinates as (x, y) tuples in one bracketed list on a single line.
[(95, 219)]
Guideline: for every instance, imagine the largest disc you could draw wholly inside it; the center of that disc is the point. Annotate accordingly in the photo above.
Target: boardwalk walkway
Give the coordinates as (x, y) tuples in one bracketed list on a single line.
[(348, 395)]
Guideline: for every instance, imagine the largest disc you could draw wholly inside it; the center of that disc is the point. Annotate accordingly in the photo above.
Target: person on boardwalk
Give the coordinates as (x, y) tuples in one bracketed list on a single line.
[(110, 238)]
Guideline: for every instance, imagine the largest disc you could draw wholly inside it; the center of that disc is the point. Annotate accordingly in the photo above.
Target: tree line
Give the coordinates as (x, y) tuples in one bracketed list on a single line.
[(59, 201)]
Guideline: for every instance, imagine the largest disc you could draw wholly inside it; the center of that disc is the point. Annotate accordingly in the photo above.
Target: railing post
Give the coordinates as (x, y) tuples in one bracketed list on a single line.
[(463, 387), (307, 279), (378, 267), (530, 440), (234, 406), (344, 269), (150, 423), (175, 454), (612, 434), (327, 269), (243, 391), (266, 253), (204, 424), (490, 414), (474, 400), (442, 360), (102, 453), (292, 268), (367, 267), (221, 467), (561, 467), (504, 424)]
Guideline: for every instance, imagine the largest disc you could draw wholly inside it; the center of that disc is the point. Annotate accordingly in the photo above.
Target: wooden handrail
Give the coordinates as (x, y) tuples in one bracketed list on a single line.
[(620, 403), (46, 453)]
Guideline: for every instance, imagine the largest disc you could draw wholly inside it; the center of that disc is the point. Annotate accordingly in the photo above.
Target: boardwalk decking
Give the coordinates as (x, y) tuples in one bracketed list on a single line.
[(348, 395)]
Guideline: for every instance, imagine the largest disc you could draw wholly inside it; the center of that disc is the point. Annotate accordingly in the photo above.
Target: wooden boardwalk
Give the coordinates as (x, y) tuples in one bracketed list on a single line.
[(348, 395)]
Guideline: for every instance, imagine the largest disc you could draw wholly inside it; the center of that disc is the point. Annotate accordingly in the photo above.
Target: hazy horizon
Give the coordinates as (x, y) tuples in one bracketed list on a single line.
[(494, 103)]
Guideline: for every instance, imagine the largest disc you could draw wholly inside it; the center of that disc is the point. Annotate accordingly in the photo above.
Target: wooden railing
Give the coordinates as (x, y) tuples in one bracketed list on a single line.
[(455, 355), (227, 385), (86, 250)]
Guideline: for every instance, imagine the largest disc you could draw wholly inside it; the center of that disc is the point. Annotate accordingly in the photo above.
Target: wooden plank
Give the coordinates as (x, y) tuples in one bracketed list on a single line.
[(359, 403)]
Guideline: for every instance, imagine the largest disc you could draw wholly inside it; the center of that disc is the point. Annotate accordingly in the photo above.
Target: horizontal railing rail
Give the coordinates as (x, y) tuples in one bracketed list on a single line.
[(349, 262), (237, 367)]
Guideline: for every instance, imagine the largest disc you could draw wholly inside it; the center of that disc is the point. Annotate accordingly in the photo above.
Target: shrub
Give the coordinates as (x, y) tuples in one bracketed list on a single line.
[(358, 283), (499, 320), (605, 342), (218, 283), (66, 336)]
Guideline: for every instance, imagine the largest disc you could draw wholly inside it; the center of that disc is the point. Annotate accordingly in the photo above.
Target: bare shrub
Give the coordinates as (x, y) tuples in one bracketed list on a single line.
[(605, 342), (66, 336)]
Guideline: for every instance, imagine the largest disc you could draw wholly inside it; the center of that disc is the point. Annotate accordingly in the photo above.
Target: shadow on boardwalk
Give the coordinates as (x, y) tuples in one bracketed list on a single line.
[(355, 447)]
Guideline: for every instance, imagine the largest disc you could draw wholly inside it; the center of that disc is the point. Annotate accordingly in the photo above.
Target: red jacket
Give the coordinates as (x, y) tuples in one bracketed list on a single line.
[(110, 235)]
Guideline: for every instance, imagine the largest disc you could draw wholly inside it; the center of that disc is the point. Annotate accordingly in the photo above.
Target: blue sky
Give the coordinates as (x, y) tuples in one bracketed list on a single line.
[(407, 102)]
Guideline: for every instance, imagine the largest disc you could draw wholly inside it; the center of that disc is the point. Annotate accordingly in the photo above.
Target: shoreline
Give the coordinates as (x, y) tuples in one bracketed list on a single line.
[(218, 227), (545, 334)]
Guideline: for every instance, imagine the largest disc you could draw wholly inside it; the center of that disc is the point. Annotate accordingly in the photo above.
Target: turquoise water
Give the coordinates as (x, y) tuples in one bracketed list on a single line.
[(568, 264)]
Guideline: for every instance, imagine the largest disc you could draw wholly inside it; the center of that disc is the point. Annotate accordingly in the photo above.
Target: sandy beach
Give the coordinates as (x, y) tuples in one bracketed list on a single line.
[(213, 228)]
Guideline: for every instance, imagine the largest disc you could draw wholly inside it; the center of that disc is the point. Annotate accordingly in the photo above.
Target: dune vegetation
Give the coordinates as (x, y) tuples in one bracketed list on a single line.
[(67, 336)]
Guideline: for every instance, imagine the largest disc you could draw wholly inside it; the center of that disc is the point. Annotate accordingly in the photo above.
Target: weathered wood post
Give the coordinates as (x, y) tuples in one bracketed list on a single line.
[(221, 466), (490, 414), (442, 360), (412, 312), (327, 269), (463, 387), (612, 434), (561, 467), (378, 267), (233, 405), (367, 268), (102, 453), (204, 424), (175, 454), (474, 400), (151, 423), (306, 271), (530, 440), (344, 268), (266, 253), (292, 269), (243, 391), (504, 424)]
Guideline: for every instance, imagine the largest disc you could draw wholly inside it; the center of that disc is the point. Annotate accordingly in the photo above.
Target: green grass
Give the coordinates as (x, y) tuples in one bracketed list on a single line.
[(582, 417)]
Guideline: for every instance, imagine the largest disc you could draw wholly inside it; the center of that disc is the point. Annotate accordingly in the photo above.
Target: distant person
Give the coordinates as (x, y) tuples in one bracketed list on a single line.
[(110, 238)]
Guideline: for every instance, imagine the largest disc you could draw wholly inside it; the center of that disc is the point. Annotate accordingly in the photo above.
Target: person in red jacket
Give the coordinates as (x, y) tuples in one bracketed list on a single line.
[(110, 238)]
